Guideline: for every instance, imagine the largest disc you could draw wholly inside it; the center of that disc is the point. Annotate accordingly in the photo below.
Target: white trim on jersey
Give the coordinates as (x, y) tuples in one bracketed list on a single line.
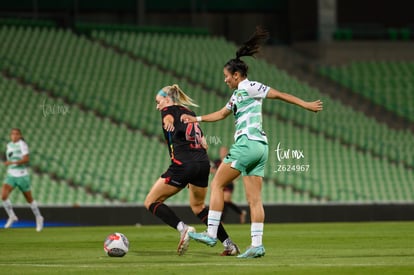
[(24, 148), (254, 89)]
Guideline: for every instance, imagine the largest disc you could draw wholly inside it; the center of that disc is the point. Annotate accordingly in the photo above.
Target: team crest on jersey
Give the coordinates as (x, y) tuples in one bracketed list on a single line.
[(239, 97)]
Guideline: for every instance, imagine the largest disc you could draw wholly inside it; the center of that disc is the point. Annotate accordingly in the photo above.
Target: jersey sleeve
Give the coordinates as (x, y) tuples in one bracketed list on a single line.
[(230, 103), (257, 89), (24, 148), (166, 111)]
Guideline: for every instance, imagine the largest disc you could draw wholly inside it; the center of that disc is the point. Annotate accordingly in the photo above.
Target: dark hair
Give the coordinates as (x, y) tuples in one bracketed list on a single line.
[(249, 48), (20, 132)]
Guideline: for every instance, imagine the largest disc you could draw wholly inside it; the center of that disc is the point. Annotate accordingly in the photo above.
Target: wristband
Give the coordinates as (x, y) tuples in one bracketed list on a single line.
[(199, 119)]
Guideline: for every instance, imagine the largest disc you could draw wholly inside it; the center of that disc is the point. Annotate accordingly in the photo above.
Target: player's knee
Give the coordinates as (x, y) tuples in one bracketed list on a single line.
[(28, 197), (254, 201), (148, 202), (4, 196), (215, 184)]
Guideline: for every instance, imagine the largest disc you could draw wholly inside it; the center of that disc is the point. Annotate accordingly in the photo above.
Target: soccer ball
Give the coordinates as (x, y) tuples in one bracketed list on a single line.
[(116, 245)]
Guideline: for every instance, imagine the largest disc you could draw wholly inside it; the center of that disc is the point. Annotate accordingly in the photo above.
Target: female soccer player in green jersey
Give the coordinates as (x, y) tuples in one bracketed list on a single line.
[(18, 176), (249, 153)]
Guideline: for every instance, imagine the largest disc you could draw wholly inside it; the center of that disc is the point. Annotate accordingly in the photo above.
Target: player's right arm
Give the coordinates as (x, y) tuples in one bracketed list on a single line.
[(168, 123), (216, 116)]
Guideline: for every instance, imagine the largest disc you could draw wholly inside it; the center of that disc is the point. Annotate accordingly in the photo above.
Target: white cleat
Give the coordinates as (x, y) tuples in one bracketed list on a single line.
[(39, 223), (184, 241), (10, 221)]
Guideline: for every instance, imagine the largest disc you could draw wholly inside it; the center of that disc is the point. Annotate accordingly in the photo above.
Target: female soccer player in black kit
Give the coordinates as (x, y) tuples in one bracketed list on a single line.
[(190, 167)]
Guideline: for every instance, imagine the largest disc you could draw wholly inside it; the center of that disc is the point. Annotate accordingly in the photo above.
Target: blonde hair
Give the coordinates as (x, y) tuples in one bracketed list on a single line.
[(178, 96)]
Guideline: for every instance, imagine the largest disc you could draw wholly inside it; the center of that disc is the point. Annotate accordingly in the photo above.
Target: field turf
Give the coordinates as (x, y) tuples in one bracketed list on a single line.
[(312, 248)]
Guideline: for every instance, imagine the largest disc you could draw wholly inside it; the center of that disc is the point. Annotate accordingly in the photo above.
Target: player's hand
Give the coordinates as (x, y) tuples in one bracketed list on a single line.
[(168, 126), (204, 143), (188, 119), (314, 106)]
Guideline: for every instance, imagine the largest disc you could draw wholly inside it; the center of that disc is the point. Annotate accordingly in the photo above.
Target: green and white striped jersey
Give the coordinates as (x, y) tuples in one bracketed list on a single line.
[(15, 152), (246, 104)]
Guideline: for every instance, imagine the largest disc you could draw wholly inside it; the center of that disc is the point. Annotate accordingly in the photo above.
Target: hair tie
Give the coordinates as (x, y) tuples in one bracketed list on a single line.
[(162, 93)]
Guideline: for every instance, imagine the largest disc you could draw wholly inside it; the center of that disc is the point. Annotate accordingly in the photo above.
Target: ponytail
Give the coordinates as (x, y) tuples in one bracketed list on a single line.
[(249, 48), (178, 96), (252, 46)]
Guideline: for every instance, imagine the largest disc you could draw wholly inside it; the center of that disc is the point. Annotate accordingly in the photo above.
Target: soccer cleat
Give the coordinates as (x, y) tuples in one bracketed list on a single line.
[(39, 223), (231, 250), (253, 252), (184, 241), (203, 238), (10, 221)]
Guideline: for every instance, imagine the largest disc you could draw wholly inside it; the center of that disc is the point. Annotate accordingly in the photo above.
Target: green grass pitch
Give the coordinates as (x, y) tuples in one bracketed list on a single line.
[(308, 248)]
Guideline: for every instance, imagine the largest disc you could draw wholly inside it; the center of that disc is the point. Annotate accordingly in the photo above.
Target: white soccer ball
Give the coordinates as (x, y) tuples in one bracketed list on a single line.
[(116, 245)]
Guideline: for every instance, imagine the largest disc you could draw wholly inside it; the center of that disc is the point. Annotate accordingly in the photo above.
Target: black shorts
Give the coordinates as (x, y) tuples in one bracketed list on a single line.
[(180, 176)]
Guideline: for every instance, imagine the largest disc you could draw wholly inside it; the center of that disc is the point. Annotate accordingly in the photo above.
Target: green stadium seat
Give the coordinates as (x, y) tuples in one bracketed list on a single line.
[(122, 89)]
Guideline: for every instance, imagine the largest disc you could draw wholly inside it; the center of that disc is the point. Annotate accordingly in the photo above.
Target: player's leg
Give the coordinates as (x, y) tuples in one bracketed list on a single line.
[(5, 192), (23, 183), (229, 204), (243, 216), (233, 165), (253, 181), (227, 195), (227, 199), (253, 189), (154, 202), (35, 209), (197, 198), (224, 174)]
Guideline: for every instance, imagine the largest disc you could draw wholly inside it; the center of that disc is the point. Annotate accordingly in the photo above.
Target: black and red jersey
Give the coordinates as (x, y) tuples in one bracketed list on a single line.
[(185, 142)]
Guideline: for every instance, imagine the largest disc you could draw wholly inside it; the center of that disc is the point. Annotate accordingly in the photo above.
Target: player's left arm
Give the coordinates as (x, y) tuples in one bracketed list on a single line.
[(25, 159), (313, 106), (204, 143)]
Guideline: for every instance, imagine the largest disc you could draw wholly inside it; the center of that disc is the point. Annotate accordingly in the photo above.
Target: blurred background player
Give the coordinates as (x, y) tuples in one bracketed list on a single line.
[(190, 167), (17, 160), (228, 189)]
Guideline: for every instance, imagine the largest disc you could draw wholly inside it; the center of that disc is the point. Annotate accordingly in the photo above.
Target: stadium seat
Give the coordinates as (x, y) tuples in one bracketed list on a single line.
[(106, 90)]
